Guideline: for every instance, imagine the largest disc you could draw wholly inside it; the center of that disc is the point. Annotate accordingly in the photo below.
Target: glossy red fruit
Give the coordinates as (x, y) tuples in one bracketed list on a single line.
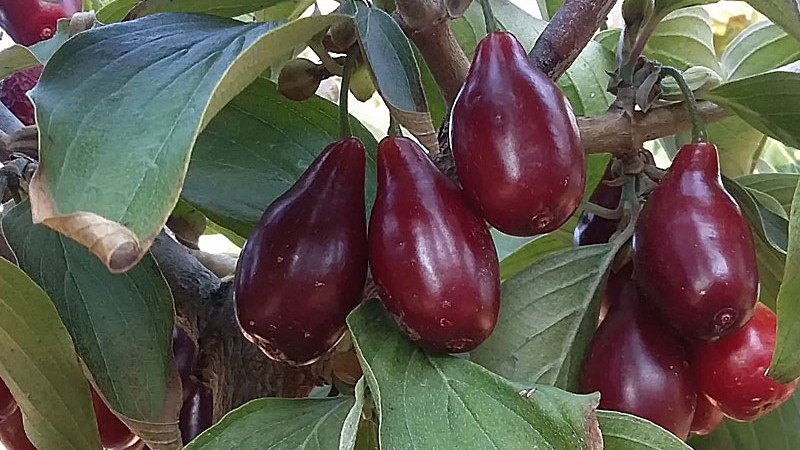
[(14, 90), (639, 367), (431, 256), (693, 251), (515, 142), (114, 435), (12, 433), (304, 266), (593, 229), (184, 351), (197, 412), (733, 370), (30, 21), (707, 417), (7, 403)]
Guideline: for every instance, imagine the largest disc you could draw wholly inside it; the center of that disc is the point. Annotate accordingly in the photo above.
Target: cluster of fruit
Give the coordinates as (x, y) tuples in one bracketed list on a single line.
[(432, 257), (684, 342)]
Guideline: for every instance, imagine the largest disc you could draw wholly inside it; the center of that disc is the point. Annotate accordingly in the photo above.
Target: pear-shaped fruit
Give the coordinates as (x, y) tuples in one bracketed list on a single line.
[(197, 412), (639, 367), (593, 229), (707, 417), (693, 251), (12, 433), (30, 21), (515, 142), (303, 267), (299, 79), (114, 435), (732, 371), (431, 256)]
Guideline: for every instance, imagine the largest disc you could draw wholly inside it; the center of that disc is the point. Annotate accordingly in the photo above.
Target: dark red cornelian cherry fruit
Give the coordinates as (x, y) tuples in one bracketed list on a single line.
[(617, 280), (7, 403), (303, 267), (707, 417), (593, 229), (184, 351), (693, 251), (732, 371), (431, 256), (14, 90), (515, 142), (30, 21), (639, 367), (12, 433), (114, 435), (197, 412)]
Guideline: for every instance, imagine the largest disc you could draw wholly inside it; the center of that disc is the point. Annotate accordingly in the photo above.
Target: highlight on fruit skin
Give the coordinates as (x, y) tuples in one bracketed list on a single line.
[(693, 251), (303, 268), (733, 371), (431, 256), (639, 367), (516, 142), (707, 417), (114, 434)]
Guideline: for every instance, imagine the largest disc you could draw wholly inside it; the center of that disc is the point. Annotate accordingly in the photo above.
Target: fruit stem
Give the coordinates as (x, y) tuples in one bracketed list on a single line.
[(600, 211), (394, 126), (324, 57), (345, 129), (488, 16), (698, 127)]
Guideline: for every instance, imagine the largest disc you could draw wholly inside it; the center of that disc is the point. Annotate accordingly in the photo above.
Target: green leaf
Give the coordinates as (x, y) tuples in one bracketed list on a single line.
[(770, 271), (738, 144), (779, 430), (256, 148), (395, 71), (584, 83), (425, 401), (663, 7), (118, 322), (39, 365), (765, 224), (780, 186), (547, 317), (760, 47), (533, 251), (350, 427), (436, 103), (114, 156), (115, 10), (684, 39), (548, 8), (224, 8), (627, 432), (786, 360), (16, 58), (278, 424), (785, 14), (768, 101)]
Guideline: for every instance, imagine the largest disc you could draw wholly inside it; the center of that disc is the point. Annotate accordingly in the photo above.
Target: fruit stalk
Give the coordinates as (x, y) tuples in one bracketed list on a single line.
[(698, 127), (345, 130)]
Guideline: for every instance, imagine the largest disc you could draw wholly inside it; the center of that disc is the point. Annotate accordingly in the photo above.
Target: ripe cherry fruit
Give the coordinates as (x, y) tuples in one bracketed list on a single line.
[(693, 251), (707, 417), (639, 367), (515, 142), (30, 21), (303, 268), (12, 433), (197, 412), (432, 258), (114, 435), (591, 228), (733, 370), (7, 403)]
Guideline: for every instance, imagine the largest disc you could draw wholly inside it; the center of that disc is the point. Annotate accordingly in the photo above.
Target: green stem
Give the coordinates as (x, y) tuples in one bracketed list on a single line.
[(488, 16), (698, 126), (394, 126), (344, 116)]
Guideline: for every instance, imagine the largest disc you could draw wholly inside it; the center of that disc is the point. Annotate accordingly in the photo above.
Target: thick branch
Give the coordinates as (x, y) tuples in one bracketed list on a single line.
[(567, 34)]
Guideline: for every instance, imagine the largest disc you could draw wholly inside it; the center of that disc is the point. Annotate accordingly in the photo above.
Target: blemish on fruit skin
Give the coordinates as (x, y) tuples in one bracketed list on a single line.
[(542, 219)]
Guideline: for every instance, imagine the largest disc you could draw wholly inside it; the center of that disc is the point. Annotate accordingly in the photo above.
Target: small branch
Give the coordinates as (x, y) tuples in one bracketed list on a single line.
[(567, 34)]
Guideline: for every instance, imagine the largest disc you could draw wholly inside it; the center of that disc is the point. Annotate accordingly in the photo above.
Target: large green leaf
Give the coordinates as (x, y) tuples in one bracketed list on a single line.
[(770, 102), (120, 108), (394, 68), (770, 271), (118, 322), (425, 401), (785, 13), (225, 8), (533, 251), (780, 186), (663, 7), (779, 430), (786, 361), (40, 367), (547, 317), (684, 39), (584, 83), (760, 47), (278, 424), (115, 10), (256, 148), (764, 223), (626, 432)]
